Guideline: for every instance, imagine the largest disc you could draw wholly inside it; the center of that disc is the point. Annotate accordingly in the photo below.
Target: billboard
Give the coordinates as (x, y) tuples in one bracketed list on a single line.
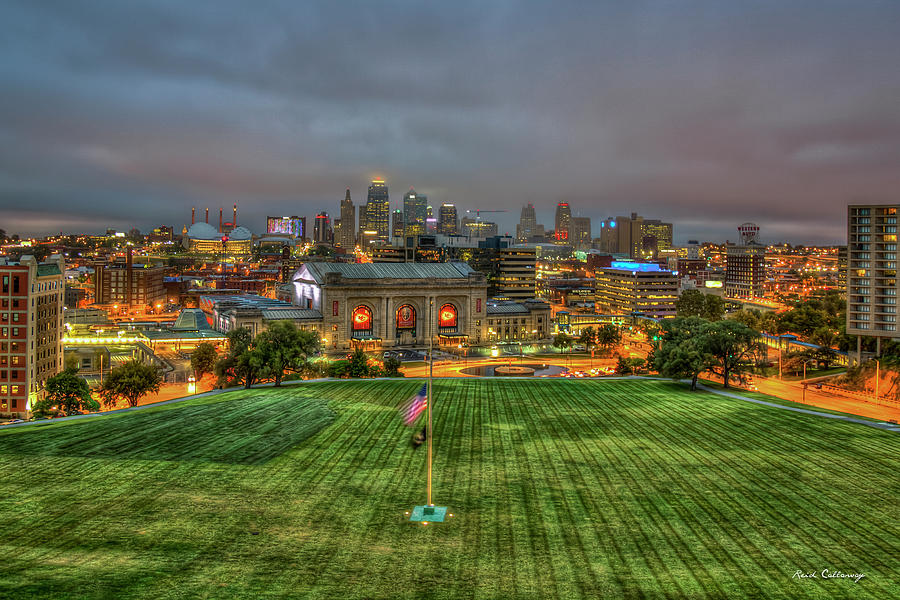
[(294, 226), (447, 316), (362, 319), (406, 317)]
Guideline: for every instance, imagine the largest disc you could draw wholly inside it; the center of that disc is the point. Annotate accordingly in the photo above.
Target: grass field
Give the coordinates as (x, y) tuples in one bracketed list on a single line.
[(560, 488)]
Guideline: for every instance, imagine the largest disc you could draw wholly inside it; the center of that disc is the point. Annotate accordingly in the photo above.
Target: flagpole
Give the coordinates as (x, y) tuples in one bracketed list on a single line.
[(430, 399), (429, 513)]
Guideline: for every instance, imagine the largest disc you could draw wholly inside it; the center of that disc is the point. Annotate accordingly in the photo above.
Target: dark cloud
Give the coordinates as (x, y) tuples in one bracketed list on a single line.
[(705, 113)]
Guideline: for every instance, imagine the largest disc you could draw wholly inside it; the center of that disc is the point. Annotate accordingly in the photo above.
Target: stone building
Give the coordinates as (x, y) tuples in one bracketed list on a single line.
[(381, 305)]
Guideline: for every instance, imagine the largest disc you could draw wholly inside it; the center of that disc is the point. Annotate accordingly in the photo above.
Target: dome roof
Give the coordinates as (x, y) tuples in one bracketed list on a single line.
[(203, 231), (240, 233)]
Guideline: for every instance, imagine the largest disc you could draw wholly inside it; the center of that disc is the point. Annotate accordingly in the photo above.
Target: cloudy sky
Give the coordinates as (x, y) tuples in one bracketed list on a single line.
[(709, 114)]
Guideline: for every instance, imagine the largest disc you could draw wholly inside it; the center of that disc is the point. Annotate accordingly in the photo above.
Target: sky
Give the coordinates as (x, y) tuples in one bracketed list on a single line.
[(706, 114)]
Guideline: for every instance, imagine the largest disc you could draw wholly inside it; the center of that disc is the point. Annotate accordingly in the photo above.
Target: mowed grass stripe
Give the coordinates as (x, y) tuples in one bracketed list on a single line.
[(693, 496)]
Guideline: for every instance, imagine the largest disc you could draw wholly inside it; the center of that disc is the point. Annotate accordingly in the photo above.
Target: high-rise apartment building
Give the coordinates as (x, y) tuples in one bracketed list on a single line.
[(745, 265), (872, 270), (31, 326), (415, 208), (580, 237), (563, 223), (448, 222), (347, 237), (378, 209)]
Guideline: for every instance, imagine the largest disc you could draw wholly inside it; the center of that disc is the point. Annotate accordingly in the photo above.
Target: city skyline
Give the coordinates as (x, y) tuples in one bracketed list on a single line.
[(702, 115)]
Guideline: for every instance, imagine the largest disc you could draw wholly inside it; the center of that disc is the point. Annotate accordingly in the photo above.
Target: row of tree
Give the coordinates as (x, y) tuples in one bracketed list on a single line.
[(68, 393)]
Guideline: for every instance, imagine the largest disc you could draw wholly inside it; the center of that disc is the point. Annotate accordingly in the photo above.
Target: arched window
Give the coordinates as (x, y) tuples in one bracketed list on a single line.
[(361, 322), (447, 319), (406, 319)]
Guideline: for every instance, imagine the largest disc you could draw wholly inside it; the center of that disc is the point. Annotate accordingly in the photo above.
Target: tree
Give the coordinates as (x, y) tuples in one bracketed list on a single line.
[(681, 353), (694, 303), (562, 341), (242, 363), (67, 392), (730, 344), (203, 359), (358, 365), (689, 304), (130, 382), (608, 335), (588, 338), (283, 347), (826, 339), (392, 367)]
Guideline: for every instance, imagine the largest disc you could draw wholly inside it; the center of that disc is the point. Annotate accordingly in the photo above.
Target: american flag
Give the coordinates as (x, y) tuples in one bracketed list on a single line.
[(415, 405)]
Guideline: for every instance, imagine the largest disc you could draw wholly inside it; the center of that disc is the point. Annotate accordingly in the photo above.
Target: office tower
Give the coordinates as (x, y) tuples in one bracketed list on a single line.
[(478, 229), (347, 238), (872, 270), (448, 224), (745, 265), (516, 275), (609, 236), (581, 233), (525, 230), (378, 209), (414, 212), (322, 233), (635, 288), (31, 330), (563, 223), (431, 222), (397, 224), (362, 225)]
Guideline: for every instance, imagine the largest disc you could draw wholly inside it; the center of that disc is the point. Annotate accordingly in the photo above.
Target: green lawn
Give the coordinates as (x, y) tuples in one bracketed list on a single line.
[(560, 488)]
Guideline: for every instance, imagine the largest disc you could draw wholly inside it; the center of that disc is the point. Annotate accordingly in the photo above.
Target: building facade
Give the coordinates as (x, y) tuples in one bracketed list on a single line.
[(378, 210), (129, 286), (563, 223), (629, 288), (347, 238), (414, 212), (381, 305), (448, 221), (31, 326), (580, 237), (872, 270)]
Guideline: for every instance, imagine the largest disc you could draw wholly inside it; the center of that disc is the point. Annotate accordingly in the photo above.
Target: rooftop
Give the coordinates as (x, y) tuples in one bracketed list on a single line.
[(451, 270)]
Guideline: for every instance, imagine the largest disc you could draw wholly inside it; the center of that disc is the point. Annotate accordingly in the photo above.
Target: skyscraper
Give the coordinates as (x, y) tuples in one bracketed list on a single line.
[(414, 212), (448, 224), (527, 224), (347, 237), (397, 228), (581, 233), (563, 222), (378, 209), (322, 233)]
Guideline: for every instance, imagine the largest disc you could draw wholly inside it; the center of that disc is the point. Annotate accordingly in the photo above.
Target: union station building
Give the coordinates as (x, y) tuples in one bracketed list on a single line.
[(385, 305), (393, 304)]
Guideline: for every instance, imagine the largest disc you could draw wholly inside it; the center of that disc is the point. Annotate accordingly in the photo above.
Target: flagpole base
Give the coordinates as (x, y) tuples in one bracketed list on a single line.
[(428, 513)]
